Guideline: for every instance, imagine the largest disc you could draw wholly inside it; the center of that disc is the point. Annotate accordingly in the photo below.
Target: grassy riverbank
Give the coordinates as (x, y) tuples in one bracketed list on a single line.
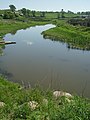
[(15, 104), (11, 26), (76, 36)]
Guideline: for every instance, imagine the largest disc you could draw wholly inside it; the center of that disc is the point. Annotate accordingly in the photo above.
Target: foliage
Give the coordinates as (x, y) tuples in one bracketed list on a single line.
[(33, 14), (8, 15), (81, 22), (62, 14), (42, 14), (12, 7), (28, 13), (24, 11), (47, 16)]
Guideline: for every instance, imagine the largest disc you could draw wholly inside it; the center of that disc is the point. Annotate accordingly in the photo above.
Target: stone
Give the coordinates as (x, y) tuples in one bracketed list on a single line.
[(2, 104), (33, 105), (57, 94)]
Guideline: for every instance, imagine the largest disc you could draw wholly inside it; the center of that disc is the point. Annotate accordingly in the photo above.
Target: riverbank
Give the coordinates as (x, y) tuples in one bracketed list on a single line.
[(19, 103), (76, 37), (11, 26)]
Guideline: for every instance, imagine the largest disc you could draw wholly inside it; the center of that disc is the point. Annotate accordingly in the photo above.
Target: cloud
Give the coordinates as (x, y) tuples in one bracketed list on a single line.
[(29, 43)]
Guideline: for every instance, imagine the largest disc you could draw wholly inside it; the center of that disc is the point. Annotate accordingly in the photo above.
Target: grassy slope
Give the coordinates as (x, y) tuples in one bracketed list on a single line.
[(75, 36), (16, 104), (7, 26)]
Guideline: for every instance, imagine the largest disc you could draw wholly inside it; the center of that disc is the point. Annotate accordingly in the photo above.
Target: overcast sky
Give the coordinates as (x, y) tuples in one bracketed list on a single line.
[(51, 5)]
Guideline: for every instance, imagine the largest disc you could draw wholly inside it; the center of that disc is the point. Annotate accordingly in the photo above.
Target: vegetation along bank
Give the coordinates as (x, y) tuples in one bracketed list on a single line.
[(76, 37), (17, 103)]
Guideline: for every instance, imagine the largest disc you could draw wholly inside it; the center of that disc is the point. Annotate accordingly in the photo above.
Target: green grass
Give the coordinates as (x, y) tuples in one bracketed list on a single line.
[(16, 106), (76, 36), (7, 26)]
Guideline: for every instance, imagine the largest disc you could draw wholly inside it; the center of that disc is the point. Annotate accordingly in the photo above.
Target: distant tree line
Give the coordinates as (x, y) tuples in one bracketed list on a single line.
[(12, 13), (23, 13), (81, 22), (84, 13)]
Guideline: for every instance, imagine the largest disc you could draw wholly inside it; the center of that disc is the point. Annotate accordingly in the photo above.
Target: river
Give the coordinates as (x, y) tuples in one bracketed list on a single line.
[(34, 60)]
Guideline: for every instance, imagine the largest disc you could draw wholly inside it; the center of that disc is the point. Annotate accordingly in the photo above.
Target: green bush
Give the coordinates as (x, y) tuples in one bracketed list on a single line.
[(8, 15)]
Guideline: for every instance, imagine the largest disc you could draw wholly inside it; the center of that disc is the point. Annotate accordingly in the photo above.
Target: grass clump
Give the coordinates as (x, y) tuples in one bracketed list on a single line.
[(36, 104)]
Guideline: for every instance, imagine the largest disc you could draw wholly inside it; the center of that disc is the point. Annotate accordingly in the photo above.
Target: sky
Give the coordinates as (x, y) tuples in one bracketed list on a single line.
[(48, 5)]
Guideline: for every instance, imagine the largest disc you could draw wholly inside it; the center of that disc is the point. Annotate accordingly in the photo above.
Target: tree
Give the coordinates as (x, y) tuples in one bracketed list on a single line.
[(62, 14), (8, 15), (28, 12), (70, 12), (12, 8), (78, 13), (42, 14), (24, 11), (33, 14)]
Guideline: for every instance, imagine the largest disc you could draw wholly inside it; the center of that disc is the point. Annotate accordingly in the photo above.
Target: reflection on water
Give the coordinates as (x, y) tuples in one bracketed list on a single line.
[(28, 42), (34, 60), (1, 49), (6, 73)]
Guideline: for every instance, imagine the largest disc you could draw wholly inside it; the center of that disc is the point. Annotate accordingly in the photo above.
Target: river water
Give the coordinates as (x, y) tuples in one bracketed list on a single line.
[(34, 60)]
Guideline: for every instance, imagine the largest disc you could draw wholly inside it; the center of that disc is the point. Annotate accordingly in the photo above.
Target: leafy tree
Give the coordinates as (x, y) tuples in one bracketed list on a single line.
[(12, 7), (42, 14), (70, 12), (24, 11), (28, 12), (87, 13), (82, 13), (8, 15), (78, 13), (33, 14), (62, 14)]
